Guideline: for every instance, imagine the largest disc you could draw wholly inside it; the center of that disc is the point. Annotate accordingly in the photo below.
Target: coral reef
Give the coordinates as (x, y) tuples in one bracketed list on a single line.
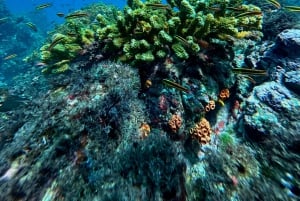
[(85, 121), (278, 19), (154, 160), (150, 31), (191, 122)]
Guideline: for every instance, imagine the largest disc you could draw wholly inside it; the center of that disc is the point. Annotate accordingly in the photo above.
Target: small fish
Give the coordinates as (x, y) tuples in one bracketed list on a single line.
[(292, 8), (55, 42), (40, 64), (72, 34), (215, 8), (31, 26), (43, 6), (248, 71), (274, 3), (158, 6), (221, 102), (3, 19), (175, 85), (76, 15), (239, 8), (182, 40), (11, 56), (249, 78), (226, 37), (249, 13), (60, 14)]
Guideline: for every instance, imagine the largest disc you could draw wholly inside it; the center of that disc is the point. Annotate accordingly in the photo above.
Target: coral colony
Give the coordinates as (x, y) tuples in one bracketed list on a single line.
[(183, 100)]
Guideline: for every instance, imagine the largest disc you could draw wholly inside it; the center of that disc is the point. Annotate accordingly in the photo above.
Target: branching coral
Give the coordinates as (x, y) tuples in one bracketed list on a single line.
[(201, 131)]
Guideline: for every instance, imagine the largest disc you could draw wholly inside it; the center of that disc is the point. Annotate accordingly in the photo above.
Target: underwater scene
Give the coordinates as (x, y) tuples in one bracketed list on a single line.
[(150, 100)]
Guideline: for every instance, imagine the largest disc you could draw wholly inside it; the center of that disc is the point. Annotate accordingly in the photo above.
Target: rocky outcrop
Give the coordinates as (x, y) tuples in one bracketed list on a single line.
[(292, 81), (271, 110), (288, 43)]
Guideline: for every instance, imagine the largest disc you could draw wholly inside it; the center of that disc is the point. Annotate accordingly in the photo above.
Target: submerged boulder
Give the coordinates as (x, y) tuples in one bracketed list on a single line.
[(292, 81), (288, 43), (271, 110)]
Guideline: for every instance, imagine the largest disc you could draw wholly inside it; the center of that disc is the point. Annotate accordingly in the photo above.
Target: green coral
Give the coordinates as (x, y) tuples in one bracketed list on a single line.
[(145, 57), (186, 9), (164, 37), (149, 30), (87, 36), (180, 51), (159, 24), (73, 36)]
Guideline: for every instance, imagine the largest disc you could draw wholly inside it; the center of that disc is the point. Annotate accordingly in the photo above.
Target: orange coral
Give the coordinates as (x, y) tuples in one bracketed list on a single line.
[(144, 130), (201, 131), (175, 123), (224, 94), (210, 106)]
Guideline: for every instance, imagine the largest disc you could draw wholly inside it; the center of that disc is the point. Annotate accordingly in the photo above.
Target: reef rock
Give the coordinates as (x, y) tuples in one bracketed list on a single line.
[(292, 81), (271, 110), (288, 43)]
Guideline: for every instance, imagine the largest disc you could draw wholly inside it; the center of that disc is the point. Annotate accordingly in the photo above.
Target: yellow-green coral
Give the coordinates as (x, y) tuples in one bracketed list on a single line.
[(73, 36), (59, 67), (87, 36), (149, 30), (158, 25)]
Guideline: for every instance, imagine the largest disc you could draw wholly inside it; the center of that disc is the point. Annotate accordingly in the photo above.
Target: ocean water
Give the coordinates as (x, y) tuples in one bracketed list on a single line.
[(28, 8), (22, 7), (198, 104)]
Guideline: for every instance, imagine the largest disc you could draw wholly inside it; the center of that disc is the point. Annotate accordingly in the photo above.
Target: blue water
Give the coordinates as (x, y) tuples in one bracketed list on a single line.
[(24, 6), (47, 17)]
